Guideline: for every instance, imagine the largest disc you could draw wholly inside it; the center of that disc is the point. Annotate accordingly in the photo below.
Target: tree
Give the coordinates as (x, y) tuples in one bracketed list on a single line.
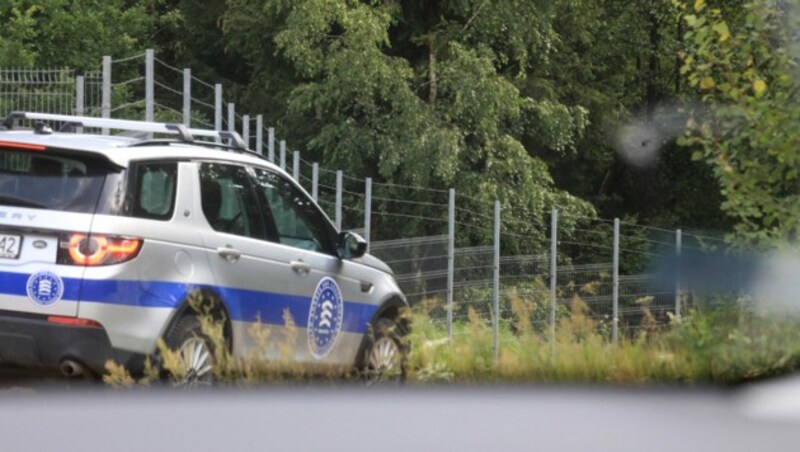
[(70, 33), (618, 58), (741, 66), (417, 92)]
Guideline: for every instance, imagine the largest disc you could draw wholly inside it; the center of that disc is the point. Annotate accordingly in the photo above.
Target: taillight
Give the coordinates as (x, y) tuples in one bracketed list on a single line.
[(73, 321), (97, 249)]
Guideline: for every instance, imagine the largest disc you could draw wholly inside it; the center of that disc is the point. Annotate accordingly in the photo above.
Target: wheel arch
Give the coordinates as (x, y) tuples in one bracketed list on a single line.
[(218, 309), (390, 308)]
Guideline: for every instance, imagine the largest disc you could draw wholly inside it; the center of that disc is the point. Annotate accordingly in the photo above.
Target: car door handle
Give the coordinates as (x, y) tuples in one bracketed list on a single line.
[(300, 267), (229, 254)]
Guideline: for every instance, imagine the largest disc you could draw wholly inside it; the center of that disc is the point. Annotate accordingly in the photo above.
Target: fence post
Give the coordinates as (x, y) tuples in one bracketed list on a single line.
[(615, 286), (246, 130), (553, 279), (80, 100), (271, 144), (678, 246), (105, 105), (260, 134), (149, 86), (187, 97), (296, 166), (451, 258), (496, 282), (283, 154), (79, 95), (338, 213), (218, 107), (231, 117), (315, 181), (368, 210)]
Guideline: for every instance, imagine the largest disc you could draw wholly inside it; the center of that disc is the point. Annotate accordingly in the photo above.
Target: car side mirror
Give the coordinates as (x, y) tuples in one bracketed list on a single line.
[(351, 245)]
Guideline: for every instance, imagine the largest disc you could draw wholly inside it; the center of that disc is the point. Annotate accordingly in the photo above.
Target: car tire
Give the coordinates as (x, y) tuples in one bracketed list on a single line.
[(385, 354), (195, 352)]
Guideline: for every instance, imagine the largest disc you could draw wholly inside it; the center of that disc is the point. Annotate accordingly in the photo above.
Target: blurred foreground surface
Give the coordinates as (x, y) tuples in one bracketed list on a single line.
[(757, 417)]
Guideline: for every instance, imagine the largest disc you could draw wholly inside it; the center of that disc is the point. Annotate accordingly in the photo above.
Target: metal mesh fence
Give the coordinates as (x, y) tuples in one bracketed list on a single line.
[(93, 93), (50, 90), (419, 264), (422, 212), (472, 281), (525, 294), (644, 302)]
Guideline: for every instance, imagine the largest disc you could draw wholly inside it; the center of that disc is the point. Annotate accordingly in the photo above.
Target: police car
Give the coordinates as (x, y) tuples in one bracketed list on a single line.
[(105, 240)]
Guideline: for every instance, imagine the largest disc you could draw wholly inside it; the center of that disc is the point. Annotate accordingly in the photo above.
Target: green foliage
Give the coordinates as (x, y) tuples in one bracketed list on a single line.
[(419, 94), (617, 59), (516, 100), (18, 29), (70, 33), (742, 68)]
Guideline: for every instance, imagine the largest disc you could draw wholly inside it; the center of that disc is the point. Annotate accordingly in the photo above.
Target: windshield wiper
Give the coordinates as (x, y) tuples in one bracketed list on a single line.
[(21, 202)]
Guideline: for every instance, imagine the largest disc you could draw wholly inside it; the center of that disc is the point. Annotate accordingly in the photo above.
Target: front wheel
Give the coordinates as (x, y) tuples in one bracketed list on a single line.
[(384, 358)]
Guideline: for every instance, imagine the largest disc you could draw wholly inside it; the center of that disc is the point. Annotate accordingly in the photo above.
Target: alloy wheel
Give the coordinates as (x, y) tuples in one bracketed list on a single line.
[(197, 362), (384, 362)]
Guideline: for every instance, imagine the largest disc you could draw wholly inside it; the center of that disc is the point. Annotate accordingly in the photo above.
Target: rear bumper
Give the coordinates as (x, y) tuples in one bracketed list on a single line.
[(31, 341)]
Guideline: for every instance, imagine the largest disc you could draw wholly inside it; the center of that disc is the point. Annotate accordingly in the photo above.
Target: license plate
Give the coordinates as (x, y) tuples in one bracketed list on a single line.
[(10, 246)]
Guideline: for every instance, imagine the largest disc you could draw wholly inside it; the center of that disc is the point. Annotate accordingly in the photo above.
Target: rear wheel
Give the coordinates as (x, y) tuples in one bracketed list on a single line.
[(384, 358), (195, 357)]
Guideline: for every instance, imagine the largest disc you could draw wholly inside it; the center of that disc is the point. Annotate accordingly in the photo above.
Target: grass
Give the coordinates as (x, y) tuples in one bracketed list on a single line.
[(727, 344), (228, 369), (723, 345)]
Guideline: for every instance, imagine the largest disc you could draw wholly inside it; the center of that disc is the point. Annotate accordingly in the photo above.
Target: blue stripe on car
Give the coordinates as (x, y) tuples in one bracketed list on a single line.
[(243, 305)]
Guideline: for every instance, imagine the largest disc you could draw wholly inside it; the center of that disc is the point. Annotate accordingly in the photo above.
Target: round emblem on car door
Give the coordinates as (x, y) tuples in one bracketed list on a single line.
[(325, 317)]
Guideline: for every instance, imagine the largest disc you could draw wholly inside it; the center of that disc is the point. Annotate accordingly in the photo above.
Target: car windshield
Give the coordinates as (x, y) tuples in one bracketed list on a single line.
[(549, 191)]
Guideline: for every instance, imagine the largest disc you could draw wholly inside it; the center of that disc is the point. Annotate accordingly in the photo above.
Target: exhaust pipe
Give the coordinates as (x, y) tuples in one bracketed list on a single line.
[(70, 368)]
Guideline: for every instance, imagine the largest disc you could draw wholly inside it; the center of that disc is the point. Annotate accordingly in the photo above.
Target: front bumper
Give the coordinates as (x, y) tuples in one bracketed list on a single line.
[(31, 341)]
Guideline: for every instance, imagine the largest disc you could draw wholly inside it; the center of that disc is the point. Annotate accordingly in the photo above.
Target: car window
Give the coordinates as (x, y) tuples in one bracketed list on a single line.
[(298, 222), (54, 181), (228, 200), (154, 192)]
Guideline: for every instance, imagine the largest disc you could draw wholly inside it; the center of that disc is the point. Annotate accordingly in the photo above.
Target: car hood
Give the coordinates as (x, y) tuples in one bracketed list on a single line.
[(372, 261)]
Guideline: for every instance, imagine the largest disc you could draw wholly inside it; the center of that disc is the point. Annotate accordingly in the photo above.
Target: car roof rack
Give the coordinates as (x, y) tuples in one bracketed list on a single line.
[(207, 144), (185, 134)]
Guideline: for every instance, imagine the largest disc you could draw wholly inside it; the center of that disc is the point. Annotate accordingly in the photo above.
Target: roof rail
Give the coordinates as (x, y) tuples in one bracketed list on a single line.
[(184, 133), (207, 144)]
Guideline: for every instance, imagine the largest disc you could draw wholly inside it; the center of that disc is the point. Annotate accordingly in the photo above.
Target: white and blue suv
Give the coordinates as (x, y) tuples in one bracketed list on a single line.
[(105, 239)]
